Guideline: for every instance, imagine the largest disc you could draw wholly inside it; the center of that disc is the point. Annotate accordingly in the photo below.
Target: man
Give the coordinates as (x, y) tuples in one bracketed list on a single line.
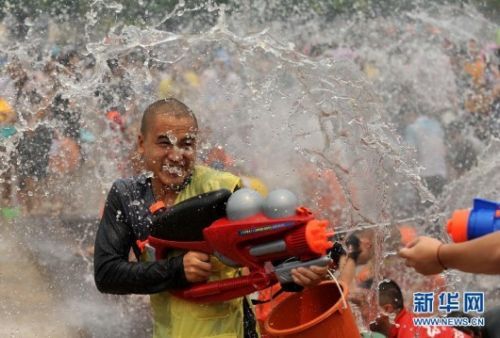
[(357, 270), (392, 304), (167, 143), (360, 253)]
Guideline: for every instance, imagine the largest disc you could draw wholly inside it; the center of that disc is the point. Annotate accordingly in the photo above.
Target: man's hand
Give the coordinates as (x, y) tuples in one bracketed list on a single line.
[(336, 252), (196, 266), (381, 325), (309, 276), (353, 247), (421, 254)]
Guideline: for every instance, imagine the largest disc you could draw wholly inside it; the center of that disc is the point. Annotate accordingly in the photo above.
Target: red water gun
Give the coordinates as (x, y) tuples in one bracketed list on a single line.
[(270, 237)]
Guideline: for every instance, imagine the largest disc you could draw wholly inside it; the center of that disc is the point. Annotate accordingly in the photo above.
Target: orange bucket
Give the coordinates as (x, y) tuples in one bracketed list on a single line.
[(316, 312)]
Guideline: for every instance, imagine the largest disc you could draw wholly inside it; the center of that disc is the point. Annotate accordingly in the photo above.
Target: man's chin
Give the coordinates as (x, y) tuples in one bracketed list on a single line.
[(173, 183)]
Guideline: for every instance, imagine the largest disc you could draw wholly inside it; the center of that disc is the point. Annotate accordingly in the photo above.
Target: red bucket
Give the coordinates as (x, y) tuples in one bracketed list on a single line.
[(316, 312)]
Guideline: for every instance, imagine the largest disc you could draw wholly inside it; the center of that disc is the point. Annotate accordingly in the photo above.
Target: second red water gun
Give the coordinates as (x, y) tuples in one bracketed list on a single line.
[(482, 219), (270, 237)]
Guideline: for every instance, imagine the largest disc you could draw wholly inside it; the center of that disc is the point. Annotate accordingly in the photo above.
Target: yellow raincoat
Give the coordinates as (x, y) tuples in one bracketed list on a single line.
[(177, 318)]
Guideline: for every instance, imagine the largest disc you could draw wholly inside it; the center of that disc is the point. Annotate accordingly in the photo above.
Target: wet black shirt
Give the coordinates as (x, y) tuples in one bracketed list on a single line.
[(126, 219)]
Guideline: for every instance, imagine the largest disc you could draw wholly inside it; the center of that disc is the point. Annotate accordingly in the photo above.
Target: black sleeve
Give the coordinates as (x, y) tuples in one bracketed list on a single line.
[(113, 272)]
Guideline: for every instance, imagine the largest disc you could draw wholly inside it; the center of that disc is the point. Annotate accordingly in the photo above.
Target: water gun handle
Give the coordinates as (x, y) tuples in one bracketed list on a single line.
[(284, 271), (482, 219)]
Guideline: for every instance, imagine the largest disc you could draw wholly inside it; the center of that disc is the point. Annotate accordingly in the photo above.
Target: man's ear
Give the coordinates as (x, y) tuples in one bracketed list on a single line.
[(140, 144), (388, 308)]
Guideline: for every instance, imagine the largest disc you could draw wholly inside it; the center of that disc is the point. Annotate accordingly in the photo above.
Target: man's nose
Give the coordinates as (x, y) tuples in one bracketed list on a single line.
[(174, 154)]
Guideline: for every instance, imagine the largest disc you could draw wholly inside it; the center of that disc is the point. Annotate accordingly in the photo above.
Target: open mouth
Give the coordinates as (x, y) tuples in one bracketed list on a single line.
[(173, 170)]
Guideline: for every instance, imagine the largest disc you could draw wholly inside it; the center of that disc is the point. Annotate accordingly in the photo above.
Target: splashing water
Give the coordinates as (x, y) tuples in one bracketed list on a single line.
[(305, 100)]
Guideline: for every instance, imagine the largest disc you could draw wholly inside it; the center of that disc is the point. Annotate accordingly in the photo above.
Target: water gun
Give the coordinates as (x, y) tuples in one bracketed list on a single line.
[(270, 237), (482, 219)]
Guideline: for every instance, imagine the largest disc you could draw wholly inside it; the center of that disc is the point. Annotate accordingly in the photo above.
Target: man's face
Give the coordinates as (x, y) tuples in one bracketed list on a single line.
[(169, 149), (365, 246), (382, 323), (386, 309)]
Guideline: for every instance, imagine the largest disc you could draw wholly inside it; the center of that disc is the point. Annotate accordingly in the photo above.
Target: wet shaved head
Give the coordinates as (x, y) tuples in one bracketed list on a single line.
[(390, 293), (168, 106)]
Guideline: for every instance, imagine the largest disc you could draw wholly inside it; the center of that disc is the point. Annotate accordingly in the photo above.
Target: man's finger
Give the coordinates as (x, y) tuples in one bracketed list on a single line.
[(308, 273), (202, 256), (198, 272), (320, 270), (404, 253), (297, 273), (202, 265), (412, 243), (202, 273), (301, 279)]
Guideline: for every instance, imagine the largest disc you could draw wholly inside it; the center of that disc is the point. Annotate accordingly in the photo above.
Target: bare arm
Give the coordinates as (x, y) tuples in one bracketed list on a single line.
[(481, 255), (113, 272), (347, 270)]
